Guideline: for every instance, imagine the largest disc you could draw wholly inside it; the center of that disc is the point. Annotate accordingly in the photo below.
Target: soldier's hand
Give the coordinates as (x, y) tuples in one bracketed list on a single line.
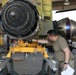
[(65, 67)]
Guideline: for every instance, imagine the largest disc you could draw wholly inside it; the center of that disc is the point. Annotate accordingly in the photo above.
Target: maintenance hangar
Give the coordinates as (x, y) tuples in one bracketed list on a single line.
[(37, 36)]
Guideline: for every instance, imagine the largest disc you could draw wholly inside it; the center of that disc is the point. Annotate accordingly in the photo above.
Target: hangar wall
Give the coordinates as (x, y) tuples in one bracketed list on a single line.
[(64, 7)]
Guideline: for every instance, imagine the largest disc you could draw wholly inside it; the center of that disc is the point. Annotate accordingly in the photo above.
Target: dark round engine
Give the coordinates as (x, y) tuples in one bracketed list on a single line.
[(20, 19)]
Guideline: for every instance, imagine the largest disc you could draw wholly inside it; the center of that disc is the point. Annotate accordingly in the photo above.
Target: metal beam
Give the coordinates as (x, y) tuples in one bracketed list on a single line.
[(61, 3), (56, 0)]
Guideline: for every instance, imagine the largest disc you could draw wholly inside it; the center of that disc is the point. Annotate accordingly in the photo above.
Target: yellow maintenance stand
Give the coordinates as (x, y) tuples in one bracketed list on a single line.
[(1, 40), (24, 47)]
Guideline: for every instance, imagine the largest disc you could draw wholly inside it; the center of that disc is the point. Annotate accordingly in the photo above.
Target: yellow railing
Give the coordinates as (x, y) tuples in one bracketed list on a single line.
[(46, 7)]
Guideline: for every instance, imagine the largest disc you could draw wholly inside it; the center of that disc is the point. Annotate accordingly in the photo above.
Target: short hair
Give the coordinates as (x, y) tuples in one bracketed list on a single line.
[(52, 32)]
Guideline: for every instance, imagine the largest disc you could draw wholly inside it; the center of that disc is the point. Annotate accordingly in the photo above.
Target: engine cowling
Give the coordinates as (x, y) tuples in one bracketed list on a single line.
[(20, 19), (66, 27)]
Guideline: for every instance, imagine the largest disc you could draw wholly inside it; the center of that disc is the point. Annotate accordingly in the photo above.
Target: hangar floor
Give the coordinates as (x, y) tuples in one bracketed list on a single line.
[(31, 66)]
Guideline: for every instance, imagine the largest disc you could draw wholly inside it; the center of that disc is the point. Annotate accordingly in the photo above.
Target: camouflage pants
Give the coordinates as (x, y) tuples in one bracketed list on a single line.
[(61, 65)]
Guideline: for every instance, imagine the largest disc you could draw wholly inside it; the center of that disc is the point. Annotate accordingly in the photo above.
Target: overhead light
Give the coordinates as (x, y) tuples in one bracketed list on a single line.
[(66, 2)]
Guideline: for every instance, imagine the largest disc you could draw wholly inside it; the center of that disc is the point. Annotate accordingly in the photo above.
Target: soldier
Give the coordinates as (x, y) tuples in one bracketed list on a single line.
[(61, 49)]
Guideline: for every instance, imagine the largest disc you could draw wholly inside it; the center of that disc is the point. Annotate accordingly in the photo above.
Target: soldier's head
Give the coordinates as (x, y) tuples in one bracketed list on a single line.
[(52, 35)]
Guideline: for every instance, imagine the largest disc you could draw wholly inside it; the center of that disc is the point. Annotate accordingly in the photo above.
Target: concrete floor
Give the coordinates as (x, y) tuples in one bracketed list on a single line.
[(28, 66), (31, 66)]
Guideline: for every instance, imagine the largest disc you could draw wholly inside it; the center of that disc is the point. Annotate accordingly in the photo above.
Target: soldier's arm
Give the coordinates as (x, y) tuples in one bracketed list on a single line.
[(67, 54), (44, 41)]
